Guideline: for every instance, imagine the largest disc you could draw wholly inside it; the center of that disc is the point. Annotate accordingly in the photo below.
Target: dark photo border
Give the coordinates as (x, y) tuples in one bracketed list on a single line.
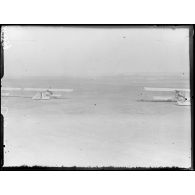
[(39, 168)]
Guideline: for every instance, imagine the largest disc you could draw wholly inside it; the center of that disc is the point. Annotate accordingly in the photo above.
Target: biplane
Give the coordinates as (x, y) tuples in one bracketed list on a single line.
[(40, 93), (181, 96)]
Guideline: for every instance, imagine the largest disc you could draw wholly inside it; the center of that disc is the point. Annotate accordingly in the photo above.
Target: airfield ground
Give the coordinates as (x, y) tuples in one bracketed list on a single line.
[(99, 124)]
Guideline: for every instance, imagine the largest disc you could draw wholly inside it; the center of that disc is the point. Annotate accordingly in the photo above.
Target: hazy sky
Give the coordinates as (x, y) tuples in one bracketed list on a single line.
[(79, 51)]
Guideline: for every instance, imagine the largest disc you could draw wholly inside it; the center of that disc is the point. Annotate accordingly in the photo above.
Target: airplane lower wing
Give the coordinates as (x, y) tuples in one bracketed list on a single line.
[(19, 96)]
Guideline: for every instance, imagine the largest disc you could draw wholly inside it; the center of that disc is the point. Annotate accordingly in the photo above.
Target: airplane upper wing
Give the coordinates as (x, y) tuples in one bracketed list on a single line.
[(165, 89), (10, 89), (34, 89)]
